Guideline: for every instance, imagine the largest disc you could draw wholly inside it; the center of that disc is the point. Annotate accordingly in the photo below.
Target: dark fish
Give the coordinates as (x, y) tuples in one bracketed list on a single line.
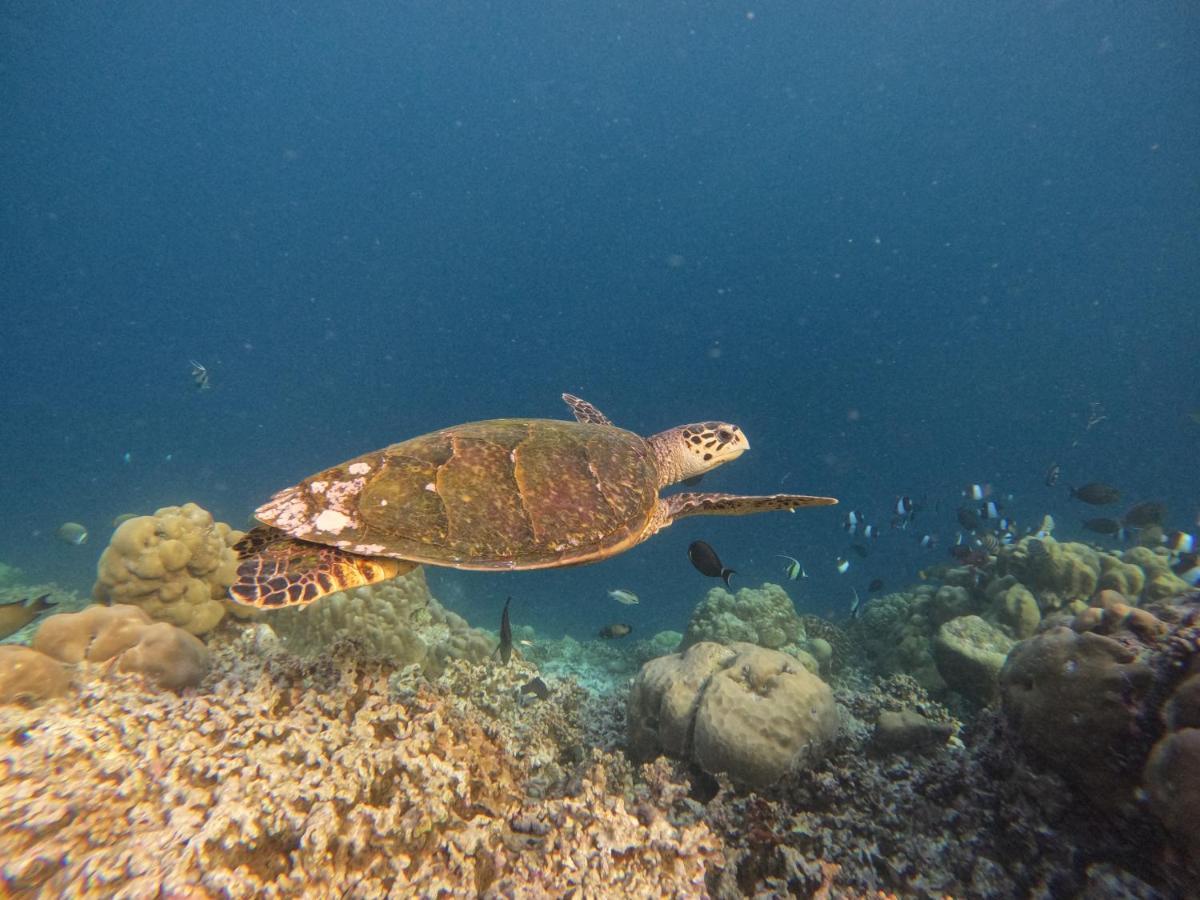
[(856, 605), (1150, 512), (537, 687), (505, 649), (615, 630), (1052, 474), (860, 549), (968, 518), (1096, 493), (904, 506), (18, 613), (1103, 526), (706, 561), (875, 585), (989, 542), (928, 541), (870, 532), (854, 520)]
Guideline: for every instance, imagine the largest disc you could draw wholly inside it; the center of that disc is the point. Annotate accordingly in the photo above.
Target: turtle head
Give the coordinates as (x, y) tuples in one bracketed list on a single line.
[(691, 450)]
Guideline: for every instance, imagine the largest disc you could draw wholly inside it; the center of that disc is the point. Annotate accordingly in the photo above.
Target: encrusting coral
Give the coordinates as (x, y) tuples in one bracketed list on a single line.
[(176, 565), (287, 778)]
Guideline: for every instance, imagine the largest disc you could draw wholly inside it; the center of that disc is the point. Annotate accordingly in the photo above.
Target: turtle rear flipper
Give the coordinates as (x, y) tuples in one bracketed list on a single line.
[(276, 570), (692, 504)]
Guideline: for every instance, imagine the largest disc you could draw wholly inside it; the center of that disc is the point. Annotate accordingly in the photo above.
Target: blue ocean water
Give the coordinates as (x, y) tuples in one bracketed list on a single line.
[(906, 246)]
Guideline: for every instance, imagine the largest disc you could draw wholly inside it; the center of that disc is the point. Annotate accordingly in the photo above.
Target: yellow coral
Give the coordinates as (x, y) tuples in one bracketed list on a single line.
[(176, 565), (27, 676)]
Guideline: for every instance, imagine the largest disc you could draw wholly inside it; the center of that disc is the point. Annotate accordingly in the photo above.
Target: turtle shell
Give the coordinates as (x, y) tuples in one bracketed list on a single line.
[(500, 494)]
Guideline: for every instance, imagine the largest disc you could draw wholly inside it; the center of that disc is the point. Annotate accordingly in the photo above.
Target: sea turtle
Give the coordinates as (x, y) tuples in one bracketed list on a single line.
[(502, 494)]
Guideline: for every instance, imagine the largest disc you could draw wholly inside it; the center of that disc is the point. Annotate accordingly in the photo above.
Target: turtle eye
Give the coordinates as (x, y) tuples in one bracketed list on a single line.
[(724, 436)]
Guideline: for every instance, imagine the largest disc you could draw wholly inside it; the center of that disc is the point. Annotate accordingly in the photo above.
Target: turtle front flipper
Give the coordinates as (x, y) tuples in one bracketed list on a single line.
[(275, 570), (677, 506), (584, 411)]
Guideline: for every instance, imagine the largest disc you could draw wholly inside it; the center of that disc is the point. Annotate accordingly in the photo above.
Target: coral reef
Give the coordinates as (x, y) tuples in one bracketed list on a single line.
[(399, 620), (168, 656), (27, 676), (1112, 703), (964, 819), (1058, 573), (764, 616), (743, 710), (970, 653), (176, 565), (307, 779)]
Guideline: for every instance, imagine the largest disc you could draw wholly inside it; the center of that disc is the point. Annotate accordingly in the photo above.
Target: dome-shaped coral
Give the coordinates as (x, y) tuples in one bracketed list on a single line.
[(176, 565), (764, 616), (750, 712), (1056, 573)]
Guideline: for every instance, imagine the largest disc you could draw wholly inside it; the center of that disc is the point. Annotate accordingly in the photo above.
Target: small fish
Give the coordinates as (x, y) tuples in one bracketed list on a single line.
[(855, 605), (199, 375), (1096, 493), (1149, 512), (1103, 526), (853, 521), (629, 598), (1188, 568), (1052, 474), (968, 518), (990, 510), (537, 687), (861, 549), (72, 533), (904, 506), (870, 532), (843, 565), (706, 561), (1180, 542), (928, 541), (505, 649), (875, 585), (977, 491), (615, 630), (794, 570), (16, 614), (989, 542), (127, 457), (525, 643)]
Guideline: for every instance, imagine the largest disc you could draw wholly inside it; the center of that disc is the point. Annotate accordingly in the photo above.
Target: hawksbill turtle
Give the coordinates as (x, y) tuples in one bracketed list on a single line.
[(504, 494)]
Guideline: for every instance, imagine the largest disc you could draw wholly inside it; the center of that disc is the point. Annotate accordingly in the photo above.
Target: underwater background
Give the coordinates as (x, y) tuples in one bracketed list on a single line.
[(905, 246)]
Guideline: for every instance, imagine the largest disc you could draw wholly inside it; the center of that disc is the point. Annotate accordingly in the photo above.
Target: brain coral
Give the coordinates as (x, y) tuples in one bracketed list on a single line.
[(176, 565), (399, 620), (750, 712), (308, 780), (763, 616)]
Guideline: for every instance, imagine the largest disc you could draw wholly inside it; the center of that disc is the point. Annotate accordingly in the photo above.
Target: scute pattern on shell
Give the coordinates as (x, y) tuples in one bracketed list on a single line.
[(499, 494)]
